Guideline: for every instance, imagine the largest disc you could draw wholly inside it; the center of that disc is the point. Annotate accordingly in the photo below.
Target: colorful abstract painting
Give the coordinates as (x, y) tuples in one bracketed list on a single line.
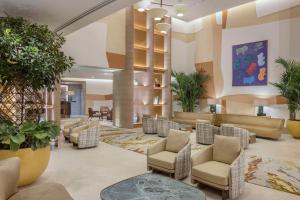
[(250, 64)]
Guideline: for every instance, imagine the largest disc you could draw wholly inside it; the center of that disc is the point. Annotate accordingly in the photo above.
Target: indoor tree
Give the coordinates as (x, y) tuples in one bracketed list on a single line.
[(188, 89), (31, 61), (289, 84)]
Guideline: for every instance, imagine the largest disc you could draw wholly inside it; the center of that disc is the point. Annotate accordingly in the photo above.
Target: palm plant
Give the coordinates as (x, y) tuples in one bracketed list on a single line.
[(289, 85), (188, 88)]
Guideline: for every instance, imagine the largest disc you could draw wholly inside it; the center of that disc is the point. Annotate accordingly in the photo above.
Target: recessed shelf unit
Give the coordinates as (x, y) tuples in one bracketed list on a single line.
[(152, 68)]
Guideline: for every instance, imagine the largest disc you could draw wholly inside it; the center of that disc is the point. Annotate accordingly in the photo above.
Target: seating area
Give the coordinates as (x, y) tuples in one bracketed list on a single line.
[(150, 100)]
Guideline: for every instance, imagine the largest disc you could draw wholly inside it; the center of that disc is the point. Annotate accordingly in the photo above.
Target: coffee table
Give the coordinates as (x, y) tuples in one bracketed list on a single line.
[(151, 187)]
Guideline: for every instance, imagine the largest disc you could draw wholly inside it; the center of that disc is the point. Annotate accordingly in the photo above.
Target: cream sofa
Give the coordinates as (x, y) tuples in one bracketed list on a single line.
[(263, 126), (191, 118), (9, 175)]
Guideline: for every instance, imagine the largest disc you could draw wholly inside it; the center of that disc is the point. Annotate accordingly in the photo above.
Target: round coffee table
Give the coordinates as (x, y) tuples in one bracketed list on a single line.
[(151, 186)]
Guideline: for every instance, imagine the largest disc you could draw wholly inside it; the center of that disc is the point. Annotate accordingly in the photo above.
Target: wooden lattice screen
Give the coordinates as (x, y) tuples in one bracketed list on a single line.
[(19, 103)]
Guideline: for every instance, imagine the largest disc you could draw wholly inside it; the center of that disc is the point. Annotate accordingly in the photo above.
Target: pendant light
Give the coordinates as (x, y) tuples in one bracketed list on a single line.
[(163, 27), (180, 9), (158, 13), (142, 5)]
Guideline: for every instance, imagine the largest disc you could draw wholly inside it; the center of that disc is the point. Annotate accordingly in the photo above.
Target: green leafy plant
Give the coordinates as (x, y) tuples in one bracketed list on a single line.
[(28, 135), (289, 84), (30, 54), (188, 89)]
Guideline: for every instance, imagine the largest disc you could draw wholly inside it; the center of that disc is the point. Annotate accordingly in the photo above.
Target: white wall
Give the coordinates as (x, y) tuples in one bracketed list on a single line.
[(88, 45), (183, 56), (278, 36), (99, 87)]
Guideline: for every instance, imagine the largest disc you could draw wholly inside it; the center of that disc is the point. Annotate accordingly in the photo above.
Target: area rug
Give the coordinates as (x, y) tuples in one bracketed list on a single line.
[(277, 174), (110, 130), (138, 142)]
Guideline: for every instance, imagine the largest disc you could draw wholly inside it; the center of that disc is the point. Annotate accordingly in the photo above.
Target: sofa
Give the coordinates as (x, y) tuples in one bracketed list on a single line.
[(9, 175), (265, 127), (192, 118)]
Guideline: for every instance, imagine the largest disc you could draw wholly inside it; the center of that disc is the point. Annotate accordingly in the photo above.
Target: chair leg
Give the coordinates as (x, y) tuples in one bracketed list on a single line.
[(224, 194)]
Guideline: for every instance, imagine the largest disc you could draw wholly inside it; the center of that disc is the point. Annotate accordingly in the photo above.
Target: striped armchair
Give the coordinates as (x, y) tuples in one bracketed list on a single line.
[(205, 133), (164, 126), (149, 124), (86, 138), (221, 165), (171, 155), (230, 130)]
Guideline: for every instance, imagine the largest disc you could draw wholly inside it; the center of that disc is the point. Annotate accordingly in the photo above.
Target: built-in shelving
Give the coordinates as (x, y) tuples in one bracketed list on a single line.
[(150, 53)]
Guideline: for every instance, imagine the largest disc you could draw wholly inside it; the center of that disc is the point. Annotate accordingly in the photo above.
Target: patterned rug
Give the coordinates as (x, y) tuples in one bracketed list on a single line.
[(110, 130), (138, 142), (277, 174)]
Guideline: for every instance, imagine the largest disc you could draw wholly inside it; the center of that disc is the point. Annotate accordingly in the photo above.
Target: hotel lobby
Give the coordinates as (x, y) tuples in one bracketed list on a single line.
[(149, 99)]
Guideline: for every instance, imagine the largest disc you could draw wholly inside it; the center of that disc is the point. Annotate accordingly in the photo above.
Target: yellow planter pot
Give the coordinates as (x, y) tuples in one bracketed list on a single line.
[(294, 128), (33, 163)]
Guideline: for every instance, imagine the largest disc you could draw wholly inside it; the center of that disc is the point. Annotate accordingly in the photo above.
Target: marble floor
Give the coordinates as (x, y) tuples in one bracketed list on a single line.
[(86, 172)]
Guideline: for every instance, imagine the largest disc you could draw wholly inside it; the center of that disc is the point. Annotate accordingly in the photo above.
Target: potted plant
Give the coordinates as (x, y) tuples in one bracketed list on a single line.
[(31, 61), (188, 89), (289, 87)]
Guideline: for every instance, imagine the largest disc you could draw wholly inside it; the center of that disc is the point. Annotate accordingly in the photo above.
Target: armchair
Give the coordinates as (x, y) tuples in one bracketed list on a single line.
[(242, 134), (9, 175), (149, 124), (221, 166), (164, 126), (205, 133), (93, 113), (171, 155), (86, 136)]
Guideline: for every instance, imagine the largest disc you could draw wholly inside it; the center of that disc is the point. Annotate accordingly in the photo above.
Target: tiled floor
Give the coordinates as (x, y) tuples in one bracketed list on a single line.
[(86, 172)]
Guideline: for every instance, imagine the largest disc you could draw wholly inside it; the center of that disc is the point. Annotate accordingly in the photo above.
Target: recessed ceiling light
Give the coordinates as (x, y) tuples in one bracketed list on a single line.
[(179, 14), (157, 18), (141, 9)]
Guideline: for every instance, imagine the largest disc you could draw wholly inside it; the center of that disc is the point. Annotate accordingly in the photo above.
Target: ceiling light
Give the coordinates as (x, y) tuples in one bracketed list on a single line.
[(163, 27), (142, 5), (180, 9), (157, 13)]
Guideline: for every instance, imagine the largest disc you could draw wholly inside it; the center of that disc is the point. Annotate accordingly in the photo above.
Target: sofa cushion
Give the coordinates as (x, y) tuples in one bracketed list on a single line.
[(226, 149), (212, 171), (163, 159), (47, 191), (176, 140), (74, 137), (203, 121), (261, 131), (9, 176)]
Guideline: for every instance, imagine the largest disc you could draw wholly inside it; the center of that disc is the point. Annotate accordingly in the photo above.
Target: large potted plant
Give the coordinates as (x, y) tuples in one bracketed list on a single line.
[(188, 88), (289, 87), (31, 61)]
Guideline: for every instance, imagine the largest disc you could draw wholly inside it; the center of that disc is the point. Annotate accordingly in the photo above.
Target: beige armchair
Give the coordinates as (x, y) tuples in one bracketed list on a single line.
[(171, 155), (86, 136), (9, 175), (221, 165)]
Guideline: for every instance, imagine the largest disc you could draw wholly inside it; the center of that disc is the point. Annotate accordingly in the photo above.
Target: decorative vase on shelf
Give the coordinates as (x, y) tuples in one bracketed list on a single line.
[(156, 82)]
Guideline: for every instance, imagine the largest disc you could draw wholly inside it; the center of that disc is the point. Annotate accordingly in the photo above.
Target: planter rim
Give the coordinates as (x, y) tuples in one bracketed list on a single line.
[(20, 149)]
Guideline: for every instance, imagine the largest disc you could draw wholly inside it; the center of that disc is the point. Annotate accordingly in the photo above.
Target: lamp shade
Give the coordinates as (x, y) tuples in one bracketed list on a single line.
[(261, 102), (180, 9), (163, 27), (142, 5), (157, 13), (213, 101)]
